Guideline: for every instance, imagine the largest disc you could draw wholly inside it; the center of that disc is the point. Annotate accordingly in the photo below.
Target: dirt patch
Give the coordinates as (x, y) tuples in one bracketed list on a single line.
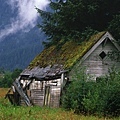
[(3, 92)]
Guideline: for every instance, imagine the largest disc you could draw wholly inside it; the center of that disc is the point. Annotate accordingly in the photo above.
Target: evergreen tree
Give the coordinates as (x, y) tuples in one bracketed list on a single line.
[(69, 19), (114, 27)]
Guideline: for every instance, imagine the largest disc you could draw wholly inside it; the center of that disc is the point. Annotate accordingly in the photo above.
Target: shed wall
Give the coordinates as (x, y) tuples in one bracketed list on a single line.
[(44, 93), (94, 65), (97, 66)]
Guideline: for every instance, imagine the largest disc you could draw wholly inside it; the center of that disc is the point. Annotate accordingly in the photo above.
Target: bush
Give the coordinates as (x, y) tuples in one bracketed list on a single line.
[(6, 81), (8, 77), (90, 97), (112, 106)]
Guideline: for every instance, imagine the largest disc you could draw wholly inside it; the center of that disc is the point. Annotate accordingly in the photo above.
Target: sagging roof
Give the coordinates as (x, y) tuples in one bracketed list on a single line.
[(68, 54), (47, 73)]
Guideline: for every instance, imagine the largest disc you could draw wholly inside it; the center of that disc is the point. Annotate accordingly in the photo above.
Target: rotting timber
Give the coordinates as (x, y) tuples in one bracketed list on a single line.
[(18, 91), (39, 86)]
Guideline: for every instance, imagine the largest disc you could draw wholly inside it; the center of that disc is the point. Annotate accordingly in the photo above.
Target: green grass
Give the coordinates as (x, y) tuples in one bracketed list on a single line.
[(10, 112)]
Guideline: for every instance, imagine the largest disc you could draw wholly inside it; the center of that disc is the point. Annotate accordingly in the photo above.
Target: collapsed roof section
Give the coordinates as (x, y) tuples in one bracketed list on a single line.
[(47, 73), (39, 74)]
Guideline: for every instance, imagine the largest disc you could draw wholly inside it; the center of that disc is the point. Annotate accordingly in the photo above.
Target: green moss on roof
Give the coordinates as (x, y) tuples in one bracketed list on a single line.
[(67, 55)]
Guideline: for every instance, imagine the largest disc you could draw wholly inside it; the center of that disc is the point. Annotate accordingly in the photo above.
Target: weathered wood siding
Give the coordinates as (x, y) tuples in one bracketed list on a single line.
[(37, 97), (55, 94), (97, 66), (37, 90), (44, 93), (94, 64)]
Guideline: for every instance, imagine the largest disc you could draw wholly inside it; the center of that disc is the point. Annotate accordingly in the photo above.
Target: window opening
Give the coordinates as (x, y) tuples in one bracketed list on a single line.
[(102, 54)]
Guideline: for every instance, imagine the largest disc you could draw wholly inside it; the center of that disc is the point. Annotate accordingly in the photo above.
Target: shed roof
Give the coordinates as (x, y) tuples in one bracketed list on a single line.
[(54, 61), (69, 53), (47, 73)]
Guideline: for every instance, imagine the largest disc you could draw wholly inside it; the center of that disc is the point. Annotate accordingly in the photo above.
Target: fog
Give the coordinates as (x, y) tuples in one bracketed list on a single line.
[(26, 16)]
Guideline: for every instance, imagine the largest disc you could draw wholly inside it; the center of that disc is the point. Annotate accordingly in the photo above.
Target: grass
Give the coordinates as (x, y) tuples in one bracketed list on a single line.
[(38, 113), (9, 112)]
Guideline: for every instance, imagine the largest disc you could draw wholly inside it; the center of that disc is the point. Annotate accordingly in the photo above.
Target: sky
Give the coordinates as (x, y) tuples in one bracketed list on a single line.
[(26, 16)]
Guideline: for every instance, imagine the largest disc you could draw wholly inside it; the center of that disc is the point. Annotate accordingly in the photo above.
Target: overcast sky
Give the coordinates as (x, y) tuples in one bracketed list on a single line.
[(26, 17)]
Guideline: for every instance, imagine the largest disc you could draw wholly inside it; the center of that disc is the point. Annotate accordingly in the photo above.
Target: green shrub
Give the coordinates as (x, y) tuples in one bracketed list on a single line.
[(112, 106), (8, 77), (89, 97)]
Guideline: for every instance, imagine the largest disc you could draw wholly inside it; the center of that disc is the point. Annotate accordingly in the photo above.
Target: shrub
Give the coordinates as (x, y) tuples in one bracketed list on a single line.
[(112, 106), (8, 77), (89, 97)]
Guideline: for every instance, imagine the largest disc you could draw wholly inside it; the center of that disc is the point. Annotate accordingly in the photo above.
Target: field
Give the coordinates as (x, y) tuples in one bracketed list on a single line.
[(9, 112), (3, 92)]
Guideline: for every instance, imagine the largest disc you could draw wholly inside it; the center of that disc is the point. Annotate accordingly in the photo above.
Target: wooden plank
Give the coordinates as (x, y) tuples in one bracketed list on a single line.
[(21, 93), (55, 96), (37, 97)]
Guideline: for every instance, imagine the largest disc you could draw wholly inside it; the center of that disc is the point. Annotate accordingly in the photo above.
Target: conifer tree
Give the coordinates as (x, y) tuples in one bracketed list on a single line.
[(70, 18)]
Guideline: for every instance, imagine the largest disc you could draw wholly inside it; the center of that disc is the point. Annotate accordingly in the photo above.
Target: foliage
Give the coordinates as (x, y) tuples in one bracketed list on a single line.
[(114, 27), (69, 20), (89, 97), (16, 73), (6, 81), (8, 77), (113, 95)]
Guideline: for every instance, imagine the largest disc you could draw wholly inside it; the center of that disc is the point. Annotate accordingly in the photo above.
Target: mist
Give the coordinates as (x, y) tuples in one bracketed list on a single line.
[(26, 16)]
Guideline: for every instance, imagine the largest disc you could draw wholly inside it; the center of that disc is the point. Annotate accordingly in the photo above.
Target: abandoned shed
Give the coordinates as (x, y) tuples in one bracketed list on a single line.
[(44, 79)]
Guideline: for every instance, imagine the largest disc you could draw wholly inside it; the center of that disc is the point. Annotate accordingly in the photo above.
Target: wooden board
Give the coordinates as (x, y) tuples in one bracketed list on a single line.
[(37, 97)]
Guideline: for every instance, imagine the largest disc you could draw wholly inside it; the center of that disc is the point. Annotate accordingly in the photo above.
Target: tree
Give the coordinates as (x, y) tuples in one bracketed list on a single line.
[(6, 81), (68, 20), (8, 77), (16, 73), (114, 27)]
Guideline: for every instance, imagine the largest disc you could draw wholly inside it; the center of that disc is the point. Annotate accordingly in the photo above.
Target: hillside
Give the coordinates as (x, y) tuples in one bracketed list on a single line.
[(18, 49)]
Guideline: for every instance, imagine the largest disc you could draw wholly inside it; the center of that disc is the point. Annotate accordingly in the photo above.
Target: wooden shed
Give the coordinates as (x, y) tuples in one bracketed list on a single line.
[(44, 79), (39, 86)]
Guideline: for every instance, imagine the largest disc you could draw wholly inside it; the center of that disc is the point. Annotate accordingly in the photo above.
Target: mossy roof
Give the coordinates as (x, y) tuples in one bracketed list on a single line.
[(67, 55)]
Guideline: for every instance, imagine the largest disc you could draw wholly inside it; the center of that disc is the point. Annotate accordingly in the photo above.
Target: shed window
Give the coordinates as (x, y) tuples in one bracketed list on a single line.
[(102, 55)]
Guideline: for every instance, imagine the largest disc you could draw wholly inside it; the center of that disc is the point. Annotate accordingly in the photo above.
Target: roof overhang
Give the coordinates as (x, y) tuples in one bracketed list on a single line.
[(41, 74)]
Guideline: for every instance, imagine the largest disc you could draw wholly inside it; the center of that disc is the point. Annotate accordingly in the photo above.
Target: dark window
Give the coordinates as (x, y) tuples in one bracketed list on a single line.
[(102, 54)]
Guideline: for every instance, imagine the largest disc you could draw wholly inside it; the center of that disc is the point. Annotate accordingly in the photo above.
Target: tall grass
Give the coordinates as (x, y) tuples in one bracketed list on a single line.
[(10, 112), (38, 113)]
